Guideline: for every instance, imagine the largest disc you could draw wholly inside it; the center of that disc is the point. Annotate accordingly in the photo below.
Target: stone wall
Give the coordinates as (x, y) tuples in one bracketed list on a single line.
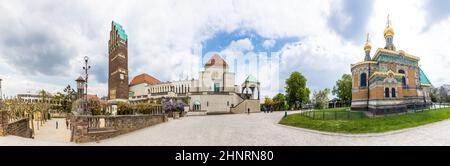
[(18, 128), (3, 123), (96, 128)]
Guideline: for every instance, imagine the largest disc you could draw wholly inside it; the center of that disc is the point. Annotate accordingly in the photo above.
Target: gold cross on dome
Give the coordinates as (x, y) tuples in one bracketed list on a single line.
[(367, 37), (388, 21)]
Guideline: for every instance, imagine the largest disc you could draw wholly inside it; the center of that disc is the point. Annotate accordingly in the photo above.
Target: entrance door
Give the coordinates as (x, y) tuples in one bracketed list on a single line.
[(216, 87)]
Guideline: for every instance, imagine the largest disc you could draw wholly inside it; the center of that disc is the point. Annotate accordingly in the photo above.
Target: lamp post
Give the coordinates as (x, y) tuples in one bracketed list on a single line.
[(86, 68)]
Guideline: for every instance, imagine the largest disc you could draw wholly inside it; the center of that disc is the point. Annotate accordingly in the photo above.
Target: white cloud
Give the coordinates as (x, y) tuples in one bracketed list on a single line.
[(164, 34), (267, 44)]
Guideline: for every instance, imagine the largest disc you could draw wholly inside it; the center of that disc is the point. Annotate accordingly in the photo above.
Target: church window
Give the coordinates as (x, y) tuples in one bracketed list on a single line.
[(393, 92), (363, 80), (386, 92), (403, 77)]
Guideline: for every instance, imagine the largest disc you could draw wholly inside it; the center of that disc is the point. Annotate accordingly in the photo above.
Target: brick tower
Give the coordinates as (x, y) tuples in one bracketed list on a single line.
[(118, 63)]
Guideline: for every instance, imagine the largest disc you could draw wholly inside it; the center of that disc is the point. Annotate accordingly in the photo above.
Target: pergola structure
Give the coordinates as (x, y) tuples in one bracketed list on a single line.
[(252, 84)]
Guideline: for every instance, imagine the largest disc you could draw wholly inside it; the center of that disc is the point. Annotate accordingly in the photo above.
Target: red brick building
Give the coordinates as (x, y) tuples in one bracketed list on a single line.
[(118, 64)]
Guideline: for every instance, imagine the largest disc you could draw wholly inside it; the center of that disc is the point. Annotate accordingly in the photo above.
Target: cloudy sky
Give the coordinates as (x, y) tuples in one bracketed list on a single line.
[(43, 42)]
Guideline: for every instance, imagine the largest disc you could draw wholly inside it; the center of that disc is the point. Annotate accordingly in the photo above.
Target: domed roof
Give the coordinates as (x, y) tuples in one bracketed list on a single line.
[(80, 79), (144, 78), (216, 60), (251, 78), (389, 31)]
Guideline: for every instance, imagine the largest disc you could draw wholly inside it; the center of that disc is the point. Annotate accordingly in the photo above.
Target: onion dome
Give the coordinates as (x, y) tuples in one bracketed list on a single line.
[(389, 31)]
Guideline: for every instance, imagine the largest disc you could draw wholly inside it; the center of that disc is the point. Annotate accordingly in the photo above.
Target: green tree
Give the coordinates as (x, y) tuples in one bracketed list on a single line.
[(434, 94), (279, 100), (343, 87), (123, 108), (296, 91), (44, 95), (95, 107), (59, 98), (68, 98), (268, 101), (321, 98)]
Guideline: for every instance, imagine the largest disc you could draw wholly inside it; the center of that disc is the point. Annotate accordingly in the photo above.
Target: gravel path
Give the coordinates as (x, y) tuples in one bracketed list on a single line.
[(254, 129)]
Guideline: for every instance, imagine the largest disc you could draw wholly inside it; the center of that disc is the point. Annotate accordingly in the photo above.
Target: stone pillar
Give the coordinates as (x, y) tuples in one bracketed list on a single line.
[(80, 129), (3, 123)]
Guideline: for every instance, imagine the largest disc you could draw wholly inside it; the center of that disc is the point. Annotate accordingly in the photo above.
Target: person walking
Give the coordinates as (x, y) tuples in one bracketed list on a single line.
[(248, 111)]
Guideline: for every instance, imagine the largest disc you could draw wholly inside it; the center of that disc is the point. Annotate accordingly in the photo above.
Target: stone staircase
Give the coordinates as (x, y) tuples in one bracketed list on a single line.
[(243, 106)]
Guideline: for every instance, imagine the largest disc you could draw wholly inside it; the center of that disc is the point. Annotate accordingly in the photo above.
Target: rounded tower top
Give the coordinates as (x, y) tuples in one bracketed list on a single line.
[(389, 31), (367, 45)]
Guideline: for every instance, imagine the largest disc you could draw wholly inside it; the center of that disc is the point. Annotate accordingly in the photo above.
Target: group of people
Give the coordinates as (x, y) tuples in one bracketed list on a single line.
[(267, 109)]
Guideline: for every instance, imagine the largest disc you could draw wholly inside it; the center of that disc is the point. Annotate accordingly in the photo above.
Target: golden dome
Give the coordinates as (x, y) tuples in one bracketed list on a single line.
[(389, 31), (367, 46)]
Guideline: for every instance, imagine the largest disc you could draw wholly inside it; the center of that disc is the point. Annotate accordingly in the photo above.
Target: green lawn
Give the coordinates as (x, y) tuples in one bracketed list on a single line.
[(368, 125)]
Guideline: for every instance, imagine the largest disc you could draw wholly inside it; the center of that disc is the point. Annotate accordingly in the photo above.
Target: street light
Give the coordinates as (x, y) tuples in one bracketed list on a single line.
[(86, 68)]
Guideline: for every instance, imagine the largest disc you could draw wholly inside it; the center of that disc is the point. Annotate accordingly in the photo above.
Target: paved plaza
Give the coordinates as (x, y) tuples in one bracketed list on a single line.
[(242, 130)]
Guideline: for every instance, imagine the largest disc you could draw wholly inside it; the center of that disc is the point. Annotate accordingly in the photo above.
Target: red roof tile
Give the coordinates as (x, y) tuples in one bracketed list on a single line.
[(144, 78), (216, 60)]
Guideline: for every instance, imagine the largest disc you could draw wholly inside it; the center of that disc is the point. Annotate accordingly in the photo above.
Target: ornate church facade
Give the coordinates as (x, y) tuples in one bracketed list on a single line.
[(391, 81)]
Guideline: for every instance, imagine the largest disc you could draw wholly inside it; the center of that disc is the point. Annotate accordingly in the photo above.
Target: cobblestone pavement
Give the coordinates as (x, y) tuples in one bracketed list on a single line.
[(255, 129)]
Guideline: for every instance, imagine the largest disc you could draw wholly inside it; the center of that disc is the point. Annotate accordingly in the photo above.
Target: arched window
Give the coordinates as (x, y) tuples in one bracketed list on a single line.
[(363, 80), (386, 92), (403, 78), (393, 92)]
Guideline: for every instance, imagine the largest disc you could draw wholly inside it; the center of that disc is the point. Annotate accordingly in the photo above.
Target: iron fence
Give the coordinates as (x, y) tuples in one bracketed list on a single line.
[(339, 114)]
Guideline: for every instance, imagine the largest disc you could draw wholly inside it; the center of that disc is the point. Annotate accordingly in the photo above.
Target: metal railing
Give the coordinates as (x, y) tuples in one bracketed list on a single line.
[(355, 115)]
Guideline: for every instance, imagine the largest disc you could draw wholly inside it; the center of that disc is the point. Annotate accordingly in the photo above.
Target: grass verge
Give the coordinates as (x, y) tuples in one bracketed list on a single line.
[(368, 125)]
